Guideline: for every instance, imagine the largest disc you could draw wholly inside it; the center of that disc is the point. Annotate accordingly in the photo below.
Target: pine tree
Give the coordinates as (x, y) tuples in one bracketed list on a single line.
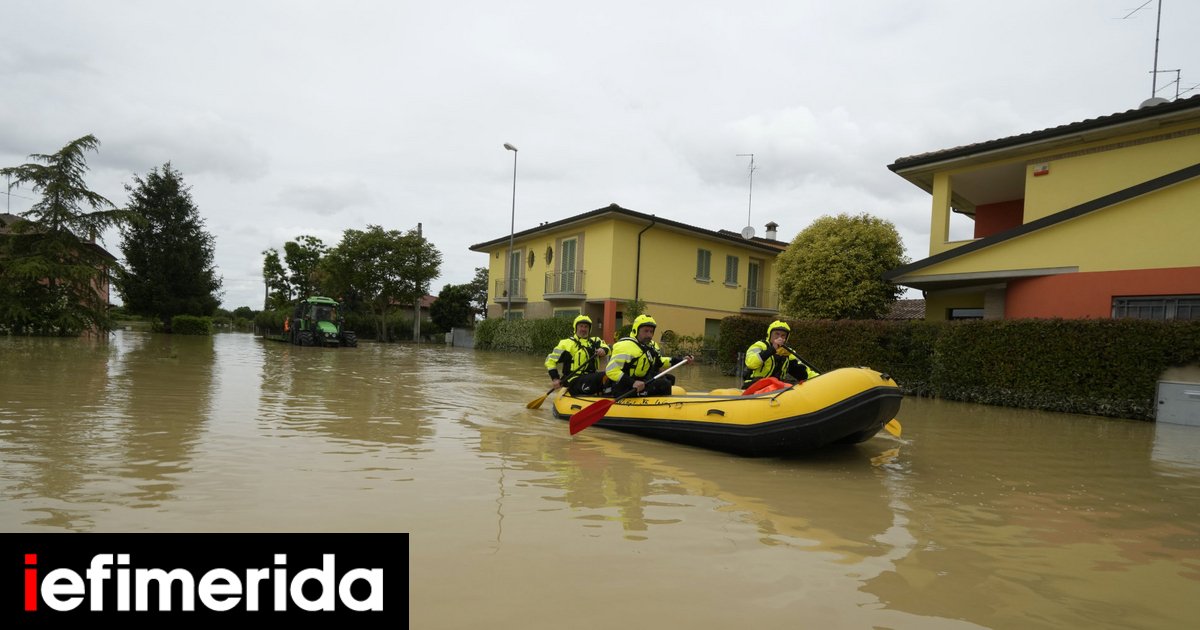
[(53, 275), (168, 254)]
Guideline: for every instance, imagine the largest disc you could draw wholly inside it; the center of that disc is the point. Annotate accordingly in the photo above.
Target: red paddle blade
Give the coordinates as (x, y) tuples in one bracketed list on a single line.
[(589, 416)]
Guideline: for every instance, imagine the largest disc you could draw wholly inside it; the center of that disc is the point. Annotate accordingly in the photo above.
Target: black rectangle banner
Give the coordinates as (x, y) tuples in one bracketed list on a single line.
[(52, 579)]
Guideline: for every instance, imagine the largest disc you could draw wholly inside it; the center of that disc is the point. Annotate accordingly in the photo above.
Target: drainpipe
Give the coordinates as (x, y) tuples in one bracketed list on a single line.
[(637, 271)]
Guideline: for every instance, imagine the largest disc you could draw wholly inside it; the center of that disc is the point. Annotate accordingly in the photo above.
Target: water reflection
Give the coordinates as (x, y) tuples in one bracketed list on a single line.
[(370, 395), (89, 405), (1026, 504), (46, 452), (978, 517), (161, 421)]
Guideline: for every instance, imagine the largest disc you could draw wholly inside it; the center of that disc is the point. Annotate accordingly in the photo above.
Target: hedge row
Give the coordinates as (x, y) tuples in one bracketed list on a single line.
[(191, 325), (533, 336), (537, 336), (1097, 367), (399, 325)]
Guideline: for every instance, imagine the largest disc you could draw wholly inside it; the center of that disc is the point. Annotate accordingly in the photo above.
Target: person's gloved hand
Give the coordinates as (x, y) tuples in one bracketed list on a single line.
[(782, 351)]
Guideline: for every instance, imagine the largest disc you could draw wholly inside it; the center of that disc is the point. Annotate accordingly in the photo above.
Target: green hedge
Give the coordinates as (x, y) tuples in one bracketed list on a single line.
[(191, 325), (399, 325), (534, 336), (538, 336), (1097, 367)]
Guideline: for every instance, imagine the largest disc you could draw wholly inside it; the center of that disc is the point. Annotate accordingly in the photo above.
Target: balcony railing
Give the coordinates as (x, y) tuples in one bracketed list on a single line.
[(761, 300), (510, 287), (565, 284)]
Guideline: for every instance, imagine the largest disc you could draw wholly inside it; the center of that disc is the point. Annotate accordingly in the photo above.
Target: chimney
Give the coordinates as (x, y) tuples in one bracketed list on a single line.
[(771, 228)]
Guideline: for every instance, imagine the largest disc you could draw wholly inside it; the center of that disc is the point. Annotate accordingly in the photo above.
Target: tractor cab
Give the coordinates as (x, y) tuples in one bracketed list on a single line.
[(316, 321)]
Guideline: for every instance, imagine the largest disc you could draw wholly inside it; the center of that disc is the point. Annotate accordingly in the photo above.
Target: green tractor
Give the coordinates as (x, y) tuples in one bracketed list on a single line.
[(317, 321)]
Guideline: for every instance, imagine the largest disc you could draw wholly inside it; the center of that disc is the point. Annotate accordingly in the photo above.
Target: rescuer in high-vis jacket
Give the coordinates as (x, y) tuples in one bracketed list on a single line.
[(636, 359), (773, 358), (580, 356)]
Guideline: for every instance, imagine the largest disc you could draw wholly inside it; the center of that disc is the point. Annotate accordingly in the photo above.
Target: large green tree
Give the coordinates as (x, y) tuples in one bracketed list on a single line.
[(53, 276), (297, 273), (381, 270), (275, 277), (478, 289), (834, 268), (169, 267), (453, 308)]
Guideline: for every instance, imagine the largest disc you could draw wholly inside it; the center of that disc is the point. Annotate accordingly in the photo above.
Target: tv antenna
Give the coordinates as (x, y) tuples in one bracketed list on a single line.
[(1157, 29), (748, 231)]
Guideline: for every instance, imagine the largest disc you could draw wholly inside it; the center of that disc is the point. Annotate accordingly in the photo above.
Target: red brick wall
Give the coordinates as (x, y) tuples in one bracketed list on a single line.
[(991, 218), (1089, 295)]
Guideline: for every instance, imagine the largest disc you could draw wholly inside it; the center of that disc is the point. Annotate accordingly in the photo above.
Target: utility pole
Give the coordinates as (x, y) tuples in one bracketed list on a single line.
[(417, 306)]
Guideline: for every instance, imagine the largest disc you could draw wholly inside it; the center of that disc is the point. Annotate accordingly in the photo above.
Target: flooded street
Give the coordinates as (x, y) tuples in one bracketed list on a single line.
[(977, 517)]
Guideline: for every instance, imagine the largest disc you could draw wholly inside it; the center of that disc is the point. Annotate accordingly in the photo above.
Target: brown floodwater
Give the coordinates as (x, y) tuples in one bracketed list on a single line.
[(976, 517)]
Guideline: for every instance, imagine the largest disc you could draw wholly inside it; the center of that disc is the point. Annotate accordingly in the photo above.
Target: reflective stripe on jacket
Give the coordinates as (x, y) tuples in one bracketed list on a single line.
[(574, 352), (635, 361), (773, 365)]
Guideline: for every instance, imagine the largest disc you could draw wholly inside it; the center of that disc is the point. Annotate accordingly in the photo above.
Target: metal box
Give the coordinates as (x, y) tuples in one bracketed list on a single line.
[(1178, 403)]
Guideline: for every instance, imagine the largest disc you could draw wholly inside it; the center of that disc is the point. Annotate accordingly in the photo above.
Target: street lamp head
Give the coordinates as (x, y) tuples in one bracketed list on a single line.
[(509, 147)]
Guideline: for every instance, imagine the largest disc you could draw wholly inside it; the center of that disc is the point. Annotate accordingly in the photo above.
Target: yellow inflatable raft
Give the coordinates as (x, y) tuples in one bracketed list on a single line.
[(844, 406)]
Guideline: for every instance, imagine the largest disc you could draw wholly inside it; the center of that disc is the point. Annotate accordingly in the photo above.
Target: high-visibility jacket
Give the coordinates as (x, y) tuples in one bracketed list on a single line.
[(633, 361), (763, 361), (578, 356)]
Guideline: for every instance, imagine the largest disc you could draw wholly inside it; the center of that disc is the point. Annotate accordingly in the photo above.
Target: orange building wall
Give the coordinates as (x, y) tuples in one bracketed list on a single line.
[(991, 218), (1089, 295)]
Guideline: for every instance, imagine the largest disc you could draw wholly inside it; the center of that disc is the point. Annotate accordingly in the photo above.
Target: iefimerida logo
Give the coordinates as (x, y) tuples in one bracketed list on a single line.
[(112, 583)]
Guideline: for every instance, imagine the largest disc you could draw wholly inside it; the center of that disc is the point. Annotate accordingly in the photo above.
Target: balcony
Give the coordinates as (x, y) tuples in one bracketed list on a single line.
[(761, 302), (565, 285), (504, 288)]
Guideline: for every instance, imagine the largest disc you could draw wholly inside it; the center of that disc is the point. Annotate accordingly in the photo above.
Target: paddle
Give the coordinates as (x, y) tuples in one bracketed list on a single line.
[(537, 403), (893, 426), (595, 411)]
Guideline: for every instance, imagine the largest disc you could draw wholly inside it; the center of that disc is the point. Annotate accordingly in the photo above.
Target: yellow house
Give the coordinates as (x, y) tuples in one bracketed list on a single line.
[(594, 263), (1094, 219)]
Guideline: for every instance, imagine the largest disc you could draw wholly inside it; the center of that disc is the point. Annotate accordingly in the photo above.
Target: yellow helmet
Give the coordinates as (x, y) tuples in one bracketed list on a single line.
[(778, 325), (582, 319), (644, 320)]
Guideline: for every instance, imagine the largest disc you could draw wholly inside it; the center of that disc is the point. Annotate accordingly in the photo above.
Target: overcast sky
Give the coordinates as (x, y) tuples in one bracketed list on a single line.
[(308, 118)]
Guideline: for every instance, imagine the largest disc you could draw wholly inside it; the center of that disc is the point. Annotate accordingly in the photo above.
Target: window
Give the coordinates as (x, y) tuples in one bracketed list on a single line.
[(566, 280), (514, 273), (567, 313), (703, 262), (966, 313), (712, 328), (754, 293), (731, 270), (1160, 308)]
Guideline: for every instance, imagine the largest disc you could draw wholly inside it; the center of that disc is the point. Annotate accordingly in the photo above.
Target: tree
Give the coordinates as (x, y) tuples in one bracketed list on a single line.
[(297, 274), (478, 289), (51, 270), (381, 270), (834, 268), (453, 308), (279, 290), (168, 254), (302, 257)]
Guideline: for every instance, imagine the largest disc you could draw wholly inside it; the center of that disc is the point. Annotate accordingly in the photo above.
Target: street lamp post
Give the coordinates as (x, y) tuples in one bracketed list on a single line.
[(511, 229)]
